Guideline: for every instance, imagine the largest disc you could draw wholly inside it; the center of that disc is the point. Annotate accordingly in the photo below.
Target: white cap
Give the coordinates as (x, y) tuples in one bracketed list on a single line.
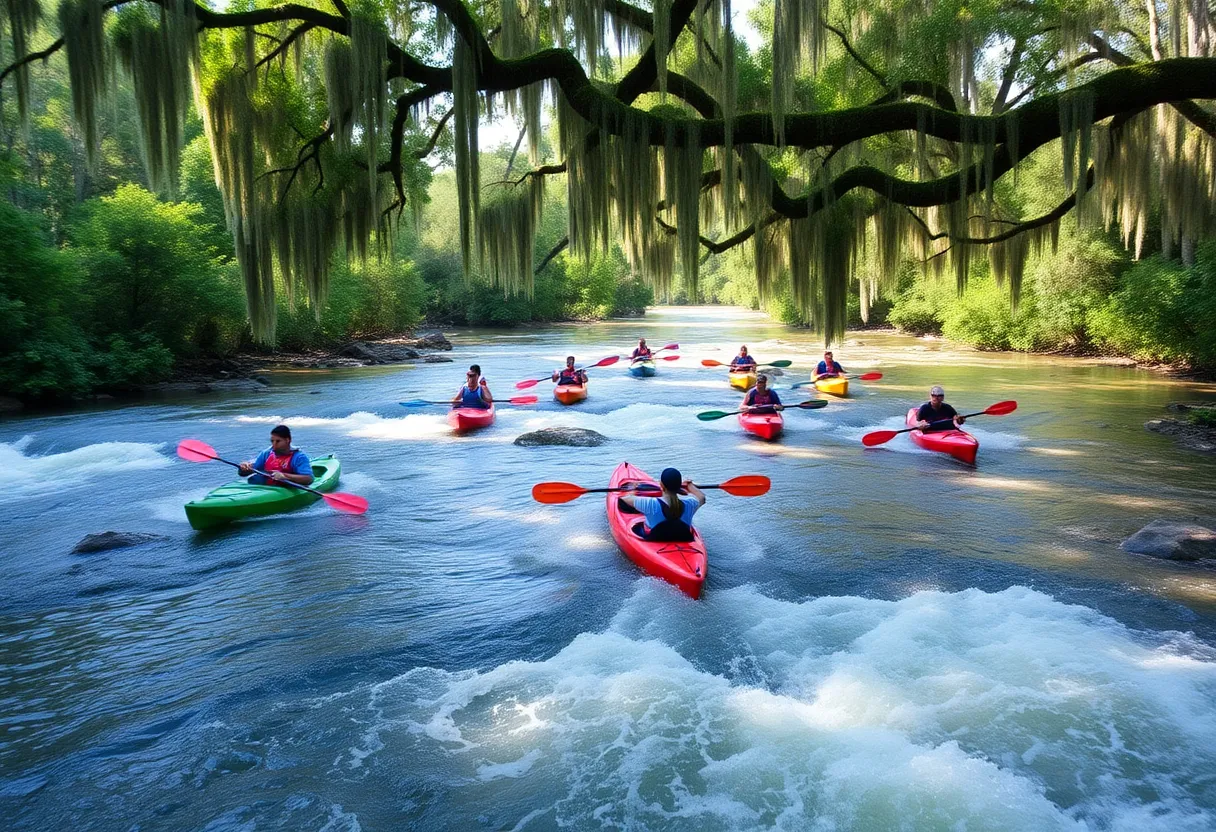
[(936, 390)]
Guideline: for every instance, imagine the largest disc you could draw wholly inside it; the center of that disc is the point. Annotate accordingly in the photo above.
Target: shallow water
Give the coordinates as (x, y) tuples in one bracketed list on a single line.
[(887, 640)]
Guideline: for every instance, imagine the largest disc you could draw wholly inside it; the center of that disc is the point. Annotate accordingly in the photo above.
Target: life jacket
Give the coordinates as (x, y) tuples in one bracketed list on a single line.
[(758, 398), (835, 368), (274, 462), (472, 398), (672, 529), (743, 361), (642, 353), (570, 377)]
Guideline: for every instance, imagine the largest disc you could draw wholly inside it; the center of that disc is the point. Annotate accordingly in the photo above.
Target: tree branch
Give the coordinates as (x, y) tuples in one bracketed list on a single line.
[(848, 47)]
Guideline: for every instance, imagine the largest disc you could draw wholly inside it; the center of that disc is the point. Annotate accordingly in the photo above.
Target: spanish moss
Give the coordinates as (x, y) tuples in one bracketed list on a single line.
[(81, 22)]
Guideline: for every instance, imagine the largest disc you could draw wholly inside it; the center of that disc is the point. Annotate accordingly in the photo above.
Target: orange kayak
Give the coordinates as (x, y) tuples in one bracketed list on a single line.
[(958, 443), (570, 393), (682, 564), (767, 426), (465, 419)]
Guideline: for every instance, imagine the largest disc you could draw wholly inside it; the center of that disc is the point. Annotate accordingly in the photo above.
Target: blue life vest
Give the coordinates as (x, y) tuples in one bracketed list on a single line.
[(472, 398)]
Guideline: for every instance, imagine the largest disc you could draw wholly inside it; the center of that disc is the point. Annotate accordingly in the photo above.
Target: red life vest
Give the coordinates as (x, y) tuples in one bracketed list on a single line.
[(274, 462), (759, 398)]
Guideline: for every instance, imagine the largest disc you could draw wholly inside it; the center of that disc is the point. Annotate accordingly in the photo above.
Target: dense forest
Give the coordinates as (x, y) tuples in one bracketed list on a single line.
[(180, 182)]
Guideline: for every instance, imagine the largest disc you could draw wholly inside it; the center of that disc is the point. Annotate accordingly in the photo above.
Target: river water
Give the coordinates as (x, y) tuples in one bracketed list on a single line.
[(888, 639)]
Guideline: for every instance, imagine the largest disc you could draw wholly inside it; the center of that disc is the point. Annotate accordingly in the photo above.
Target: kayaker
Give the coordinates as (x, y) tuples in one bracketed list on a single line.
[(762, 400), (742, 361), (475, 392), (568, 375), (669, 517), (283, 462), (936, 410), (828, 368), (642, 351)]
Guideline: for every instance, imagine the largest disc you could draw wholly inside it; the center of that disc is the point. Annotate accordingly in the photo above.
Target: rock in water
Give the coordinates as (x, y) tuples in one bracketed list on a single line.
[(113, 540), (574, 437), (1173, 541)]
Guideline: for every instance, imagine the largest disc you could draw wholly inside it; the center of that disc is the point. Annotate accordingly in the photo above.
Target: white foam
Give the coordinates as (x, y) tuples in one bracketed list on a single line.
[(971, 710), (25, 474), (169, 507), (360, 482), (364, 425)]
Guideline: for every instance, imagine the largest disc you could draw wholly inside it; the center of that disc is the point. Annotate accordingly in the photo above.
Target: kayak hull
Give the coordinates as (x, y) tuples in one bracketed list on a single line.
[(570, 393), (833, 386), (466, 419), (238, 500), (743, 381), (683, 564), (957, 443), (767, 426), (642, 369)]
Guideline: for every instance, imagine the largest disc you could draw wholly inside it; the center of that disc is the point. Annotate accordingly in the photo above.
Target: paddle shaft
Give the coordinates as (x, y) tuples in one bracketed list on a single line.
[(237, 466), (946, 421)]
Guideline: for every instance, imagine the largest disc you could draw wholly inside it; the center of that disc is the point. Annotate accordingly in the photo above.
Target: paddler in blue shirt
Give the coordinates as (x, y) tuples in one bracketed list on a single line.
[(475, 392), (828, 368), (742, 362), (669, 516), (762, 400), (936, 410), (568, 375), (281, 461)]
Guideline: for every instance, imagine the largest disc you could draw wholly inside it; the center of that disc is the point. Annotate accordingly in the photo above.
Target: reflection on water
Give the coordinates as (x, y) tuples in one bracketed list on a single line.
[(887, 638)]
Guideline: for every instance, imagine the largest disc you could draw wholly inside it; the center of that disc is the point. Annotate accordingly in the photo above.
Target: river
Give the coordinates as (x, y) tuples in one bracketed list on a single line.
[(888, 639)]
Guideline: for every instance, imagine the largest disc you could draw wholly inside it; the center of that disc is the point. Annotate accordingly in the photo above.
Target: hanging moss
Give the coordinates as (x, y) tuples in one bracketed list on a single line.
[(369, 87), (466, 111), (23, 17), (663, 41), (339, 92), (797, 32), (1008, 261), (505, 234), (682, 161), (81, 22)]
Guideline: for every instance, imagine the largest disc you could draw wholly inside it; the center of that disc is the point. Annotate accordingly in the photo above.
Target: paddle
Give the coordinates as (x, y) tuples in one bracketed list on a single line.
[(656, 352), (748, 485), (709, 362), (193, 450), (656, 358), (862, 377), (532, 382), (809, 404), (878, 437), (518, 400)]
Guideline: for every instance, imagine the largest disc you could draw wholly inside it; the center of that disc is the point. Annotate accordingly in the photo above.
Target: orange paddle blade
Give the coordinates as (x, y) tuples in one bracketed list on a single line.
[(346, 503), (1001, 408), (869, 377), (196, 451), (748, 485), (553, 493), (878, 437), (709, 362)]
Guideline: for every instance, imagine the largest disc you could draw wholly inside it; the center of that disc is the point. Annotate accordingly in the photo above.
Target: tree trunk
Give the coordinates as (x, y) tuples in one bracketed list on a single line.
[(1188, 250), (1167, 243), (1154, 32)]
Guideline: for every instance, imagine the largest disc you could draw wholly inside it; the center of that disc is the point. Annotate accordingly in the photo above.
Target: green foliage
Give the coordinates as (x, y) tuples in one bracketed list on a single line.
[(1202, 416)]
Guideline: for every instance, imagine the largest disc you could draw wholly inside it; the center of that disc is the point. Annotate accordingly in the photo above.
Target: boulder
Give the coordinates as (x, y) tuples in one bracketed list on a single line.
[(436, 359), (1193, 437), (431, 341), (1173, 541), (113, 540), (573, 437), (373, 353)]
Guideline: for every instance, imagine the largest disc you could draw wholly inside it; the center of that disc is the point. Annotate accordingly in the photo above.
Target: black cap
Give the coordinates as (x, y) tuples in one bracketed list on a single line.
[(671, 479)]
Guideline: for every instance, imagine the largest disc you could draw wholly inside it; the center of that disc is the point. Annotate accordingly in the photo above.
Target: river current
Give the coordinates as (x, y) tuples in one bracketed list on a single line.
[(887, 640)]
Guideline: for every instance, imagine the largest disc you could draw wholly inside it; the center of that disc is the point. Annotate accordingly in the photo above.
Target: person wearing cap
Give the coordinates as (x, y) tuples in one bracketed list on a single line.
[(475, 392), (669, 516), (742, 361), (642, 351), (280, 461), (760, 399), (936, 410), (828, 368)]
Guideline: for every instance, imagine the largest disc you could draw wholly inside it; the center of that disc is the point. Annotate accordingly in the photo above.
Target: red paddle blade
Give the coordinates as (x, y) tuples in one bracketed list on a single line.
[(670, 347), (553, 493), (878, 437), (523, 400), (604, 362), (1001, 408), (748, 485), (526, 383), (709, 362), (669, 358), (346, 503), (869, 377), (196, 451)]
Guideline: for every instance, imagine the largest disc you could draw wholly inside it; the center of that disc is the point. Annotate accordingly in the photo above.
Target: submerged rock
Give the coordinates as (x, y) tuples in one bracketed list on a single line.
[(1191, 436), (574, 437), (1173, 541), (113, 540), (377, 353)]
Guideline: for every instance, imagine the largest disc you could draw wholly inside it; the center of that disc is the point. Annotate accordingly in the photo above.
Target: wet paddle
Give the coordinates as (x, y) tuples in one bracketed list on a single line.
[(809, 404), (193, 450), (532, 382), (709, 362), (879, 437), (656, 358), (517, 400), (748, 485), (862, 377), (654, 354)]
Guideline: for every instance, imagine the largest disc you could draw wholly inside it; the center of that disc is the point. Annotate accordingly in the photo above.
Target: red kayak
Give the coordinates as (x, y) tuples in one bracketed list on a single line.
[(958, 443), (683, 564), (465, 419), (767, 426)]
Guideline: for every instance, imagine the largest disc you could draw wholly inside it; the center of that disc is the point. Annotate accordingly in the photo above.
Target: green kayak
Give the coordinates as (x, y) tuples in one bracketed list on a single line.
[(240, 499)]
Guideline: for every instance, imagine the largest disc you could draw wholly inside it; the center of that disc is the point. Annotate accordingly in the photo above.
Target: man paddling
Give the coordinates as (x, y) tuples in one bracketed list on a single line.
[(762, 400), (669, 517), (281, 461), (827, 368), (475, 392), (742, 361), (642, 352), (936, 410), (569, 375)]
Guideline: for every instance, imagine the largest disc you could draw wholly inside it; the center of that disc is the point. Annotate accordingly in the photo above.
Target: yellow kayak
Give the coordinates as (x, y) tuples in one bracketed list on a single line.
[(743, 381), (833, 386)]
